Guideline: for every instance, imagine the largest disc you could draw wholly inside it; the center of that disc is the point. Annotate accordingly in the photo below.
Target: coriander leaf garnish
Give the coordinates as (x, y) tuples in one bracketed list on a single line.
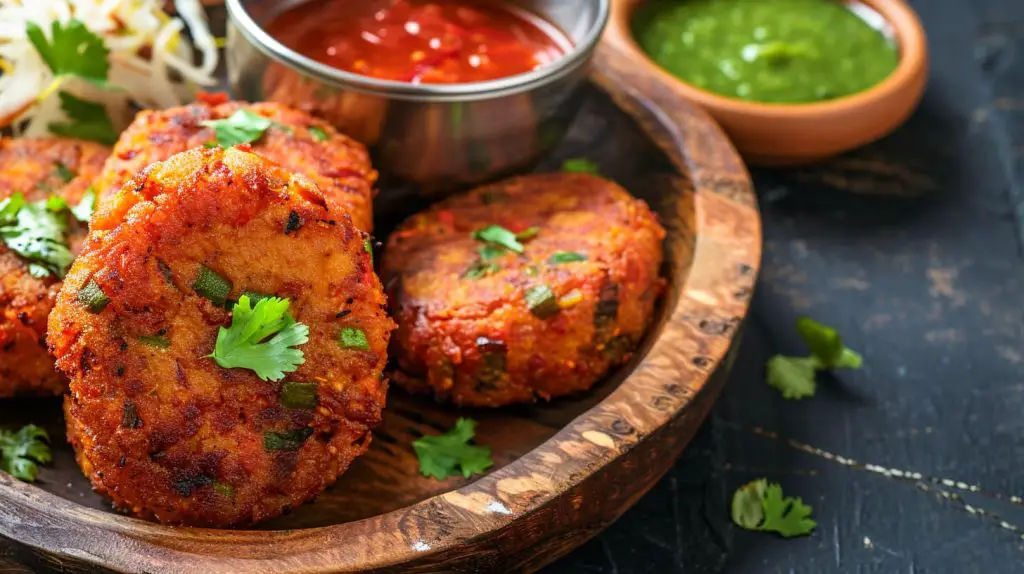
[(760, 505), (56, 204), (9, 208), (318, 134), (83, 211), (498, 235), (451, 454), (566, 257), (261, 339), (38, 233), (22, 452), (241, 128), (580, 165), (89, 121), (72, 50), (794, 376), (353, 338)]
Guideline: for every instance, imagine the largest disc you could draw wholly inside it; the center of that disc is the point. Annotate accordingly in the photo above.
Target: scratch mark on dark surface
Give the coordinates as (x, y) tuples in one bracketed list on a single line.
[(958, 500), (929, 484), (762, 470), (892, 473), (674, 484), (608, 555), (837, 551), (1004, 147)]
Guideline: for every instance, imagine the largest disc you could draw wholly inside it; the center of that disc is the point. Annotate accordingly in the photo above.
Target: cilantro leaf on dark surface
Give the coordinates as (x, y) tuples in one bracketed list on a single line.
[(580, 165), (72, 50), (450, 454), (261, 339), (241, 127), (760, 505), (38, 233), (88, 121), (792, 376), (23, 451), (826, 346)]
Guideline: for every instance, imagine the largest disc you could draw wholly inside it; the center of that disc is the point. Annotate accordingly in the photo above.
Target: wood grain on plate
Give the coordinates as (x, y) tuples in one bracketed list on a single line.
[(564, 470)]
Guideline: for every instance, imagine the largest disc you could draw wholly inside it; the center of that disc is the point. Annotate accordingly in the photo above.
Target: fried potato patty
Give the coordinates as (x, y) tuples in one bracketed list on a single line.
[(37, 168), (158, 425), (483, 325), (339, 165)]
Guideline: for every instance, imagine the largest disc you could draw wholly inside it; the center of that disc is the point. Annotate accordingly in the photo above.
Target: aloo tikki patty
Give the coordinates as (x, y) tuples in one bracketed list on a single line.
[(37, 169), (532, 287), (158, 424), (338, 164)]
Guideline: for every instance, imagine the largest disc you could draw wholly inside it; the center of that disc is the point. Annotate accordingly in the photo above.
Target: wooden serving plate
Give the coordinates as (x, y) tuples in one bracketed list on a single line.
[(564, 470)]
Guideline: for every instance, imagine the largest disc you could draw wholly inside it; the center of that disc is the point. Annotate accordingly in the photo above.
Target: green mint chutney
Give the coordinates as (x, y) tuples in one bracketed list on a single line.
[(774, 51)]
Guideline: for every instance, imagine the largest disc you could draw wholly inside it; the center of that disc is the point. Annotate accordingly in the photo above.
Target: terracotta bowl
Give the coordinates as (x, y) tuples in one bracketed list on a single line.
[(789, 134)]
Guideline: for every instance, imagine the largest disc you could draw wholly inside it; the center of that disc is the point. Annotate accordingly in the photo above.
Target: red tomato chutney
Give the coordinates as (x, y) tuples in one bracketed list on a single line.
[(435, 42)]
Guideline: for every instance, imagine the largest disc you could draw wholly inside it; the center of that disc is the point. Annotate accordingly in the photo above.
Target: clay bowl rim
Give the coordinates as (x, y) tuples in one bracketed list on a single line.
[(908, 33), (710, 296)]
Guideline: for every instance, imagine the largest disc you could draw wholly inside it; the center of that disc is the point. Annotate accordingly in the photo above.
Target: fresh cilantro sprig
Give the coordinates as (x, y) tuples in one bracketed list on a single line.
[(261, 339), (241, 127), (89, 121), (580, 165), (760, 505), (22, 452), (72, 51), (451, 454), (38, 233), (794, 376)]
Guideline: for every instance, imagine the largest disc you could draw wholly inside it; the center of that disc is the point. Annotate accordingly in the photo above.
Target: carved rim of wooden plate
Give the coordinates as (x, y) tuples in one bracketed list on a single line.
[(703, 313)]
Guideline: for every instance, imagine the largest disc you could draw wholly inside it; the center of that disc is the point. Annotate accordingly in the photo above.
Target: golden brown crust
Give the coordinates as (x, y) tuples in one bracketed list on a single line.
[(339, 165), (37, 168), (166, 432), (475, 340)]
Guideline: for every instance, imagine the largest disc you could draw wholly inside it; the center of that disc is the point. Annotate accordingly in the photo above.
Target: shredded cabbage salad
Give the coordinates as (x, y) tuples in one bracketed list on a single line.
[(53, 73)]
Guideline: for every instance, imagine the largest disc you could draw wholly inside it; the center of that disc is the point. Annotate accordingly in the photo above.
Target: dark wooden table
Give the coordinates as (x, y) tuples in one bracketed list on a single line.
[(912, 248)]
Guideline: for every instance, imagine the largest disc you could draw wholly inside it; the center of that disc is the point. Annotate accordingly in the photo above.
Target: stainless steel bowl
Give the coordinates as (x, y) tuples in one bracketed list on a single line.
[(440, 136)]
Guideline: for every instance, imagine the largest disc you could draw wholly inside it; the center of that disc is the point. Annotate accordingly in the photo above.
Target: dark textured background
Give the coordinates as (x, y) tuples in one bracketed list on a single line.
[(912, 248)]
